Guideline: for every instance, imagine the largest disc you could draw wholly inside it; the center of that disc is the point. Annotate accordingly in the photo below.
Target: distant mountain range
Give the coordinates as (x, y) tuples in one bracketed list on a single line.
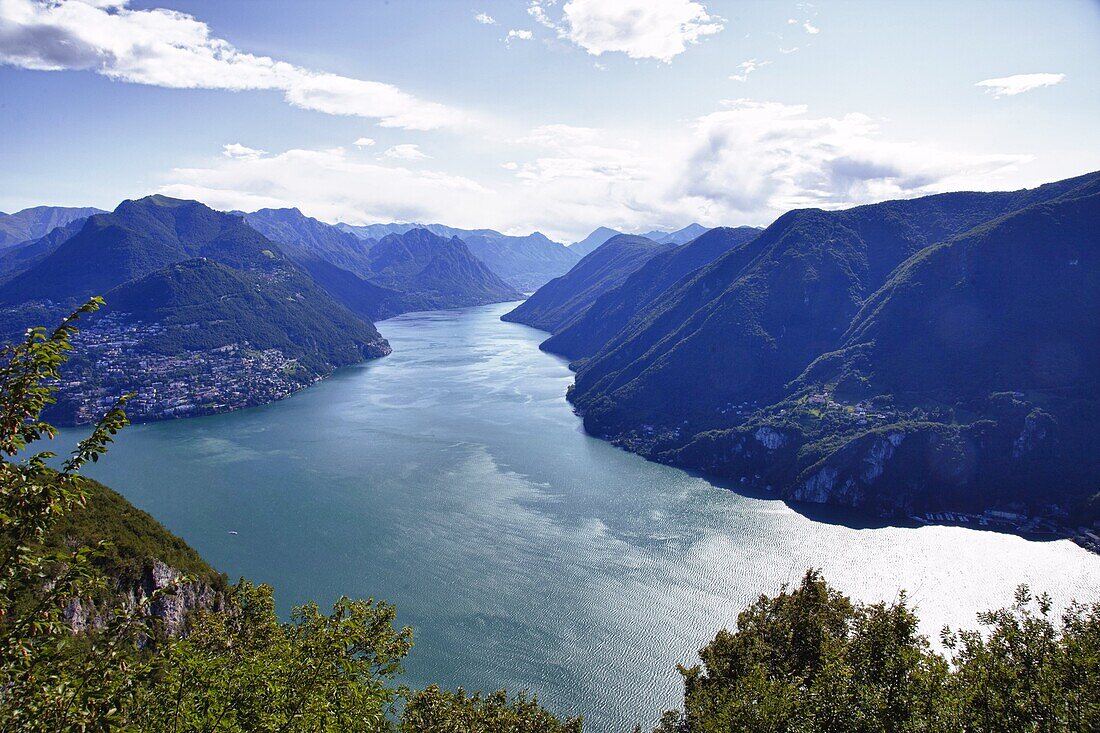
[(600, 235), (401, 272), (525, 263), (36, 222), (905, 357)]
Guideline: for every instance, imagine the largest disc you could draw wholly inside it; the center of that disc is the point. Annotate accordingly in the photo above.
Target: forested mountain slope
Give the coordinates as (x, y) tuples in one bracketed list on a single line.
[(967, 313), (563, 299), (612, 310)]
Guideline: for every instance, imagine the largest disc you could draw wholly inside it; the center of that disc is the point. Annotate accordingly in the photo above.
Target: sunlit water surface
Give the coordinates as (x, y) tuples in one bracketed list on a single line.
[(453, 480)]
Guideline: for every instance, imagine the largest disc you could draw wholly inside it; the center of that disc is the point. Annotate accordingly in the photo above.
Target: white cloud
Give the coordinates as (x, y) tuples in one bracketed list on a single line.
[(333, 187), (536, 11), (485, 19), (746, 68), (744, 163), (520, 35), (405, 151), (1010, 86), (166, 48), (792, 49), (642, 29), (767, 156), (810, 28), (240, 152), (364, 142)]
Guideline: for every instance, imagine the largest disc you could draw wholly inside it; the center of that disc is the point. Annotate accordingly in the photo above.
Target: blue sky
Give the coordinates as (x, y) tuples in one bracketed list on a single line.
[(557, 116)]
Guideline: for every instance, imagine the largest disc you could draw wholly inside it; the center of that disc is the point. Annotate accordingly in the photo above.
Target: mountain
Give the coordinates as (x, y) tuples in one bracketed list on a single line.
[(336, 259), (201, 304), (969, 380), (36, 222), (602, 234), (21, 257), (305, 239), (589, 244), (755, 317), (700, 377), (526, 263), (430, 272), (680, 236), (138, 238), (614, 309), (556, 304), (377, 231), (203, 314), (414, 270)]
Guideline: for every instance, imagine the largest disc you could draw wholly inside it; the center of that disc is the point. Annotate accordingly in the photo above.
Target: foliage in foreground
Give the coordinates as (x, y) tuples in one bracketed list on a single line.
[(809, 660)]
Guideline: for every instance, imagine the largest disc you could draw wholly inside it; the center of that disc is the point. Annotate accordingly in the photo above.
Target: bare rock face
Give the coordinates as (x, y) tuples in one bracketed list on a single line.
[(172, 607)]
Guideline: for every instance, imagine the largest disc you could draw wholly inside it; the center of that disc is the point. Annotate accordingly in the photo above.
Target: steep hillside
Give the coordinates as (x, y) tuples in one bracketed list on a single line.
[(137, 540), (305, 239), (429, 272), (140, 557), (967, 380), (138, 238), (201, 304), (971, 379), (613, 310), (37, 222), (19, 258), (740, 328), (563, 299)]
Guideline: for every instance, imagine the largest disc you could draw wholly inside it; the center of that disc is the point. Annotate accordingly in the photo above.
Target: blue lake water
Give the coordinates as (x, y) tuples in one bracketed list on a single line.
[(453, 480)]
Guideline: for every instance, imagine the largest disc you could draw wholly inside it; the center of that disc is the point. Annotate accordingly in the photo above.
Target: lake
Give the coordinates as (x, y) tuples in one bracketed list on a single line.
[(453, 479)]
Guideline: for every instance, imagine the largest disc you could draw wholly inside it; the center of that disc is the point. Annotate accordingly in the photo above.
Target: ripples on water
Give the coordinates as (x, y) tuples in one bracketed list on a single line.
[(452, 479)]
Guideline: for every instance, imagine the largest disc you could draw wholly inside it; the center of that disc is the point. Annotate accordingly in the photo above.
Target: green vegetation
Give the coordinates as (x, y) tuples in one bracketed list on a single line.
[(958, 324), (438, 711), (809, 659), (202, 304), (613, 310), (563, 299), (130, 539)]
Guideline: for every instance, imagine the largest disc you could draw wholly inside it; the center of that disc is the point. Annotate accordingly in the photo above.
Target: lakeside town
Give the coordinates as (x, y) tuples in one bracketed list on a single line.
[(112, 359)]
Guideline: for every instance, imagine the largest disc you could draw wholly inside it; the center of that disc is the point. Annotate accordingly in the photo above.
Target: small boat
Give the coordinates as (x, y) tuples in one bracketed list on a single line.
[(232, 531)]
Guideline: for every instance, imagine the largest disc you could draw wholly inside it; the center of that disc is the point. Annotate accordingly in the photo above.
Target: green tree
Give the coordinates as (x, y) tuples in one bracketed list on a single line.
[(49, 681), (439, 711), (810, 661), (244, 670), (1026, 673)]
